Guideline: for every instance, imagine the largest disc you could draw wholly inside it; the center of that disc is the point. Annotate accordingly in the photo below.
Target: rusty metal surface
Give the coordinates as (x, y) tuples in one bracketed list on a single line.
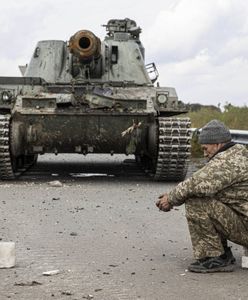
[(58, 133), (85, 45)]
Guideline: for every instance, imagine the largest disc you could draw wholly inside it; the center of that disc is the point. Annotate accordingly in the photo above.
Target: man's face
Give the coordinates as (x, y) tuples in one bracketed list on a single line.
[(210, 149)]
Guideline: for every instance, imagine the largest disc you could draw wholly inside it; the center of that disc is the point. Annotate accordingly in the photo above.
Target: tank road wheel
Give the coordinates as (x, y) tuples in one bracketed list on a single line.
[(173, 151), (10, 166)]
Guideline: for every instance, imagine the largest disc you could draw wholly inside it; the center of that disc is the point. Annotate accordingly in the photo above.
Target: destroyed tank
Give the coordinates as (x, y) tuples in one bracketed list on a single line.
[(92, 96)]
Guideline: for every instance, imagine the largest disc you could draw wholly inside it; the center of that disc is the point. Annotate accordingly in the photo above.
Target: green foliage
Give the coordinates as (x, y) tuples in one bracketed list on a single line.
[(232, 116), (196, 150)]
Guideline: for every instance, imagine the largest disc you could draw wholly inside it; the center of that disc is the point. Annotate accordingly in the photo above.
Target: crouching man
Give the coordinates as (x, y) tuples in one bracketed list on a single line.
[(216, 200)]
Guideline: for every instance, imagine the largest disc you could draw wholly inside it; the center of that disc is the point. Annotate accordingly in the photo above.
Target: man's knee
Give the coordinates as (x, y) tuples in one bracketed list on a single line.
[(204, 208), (218, 212)]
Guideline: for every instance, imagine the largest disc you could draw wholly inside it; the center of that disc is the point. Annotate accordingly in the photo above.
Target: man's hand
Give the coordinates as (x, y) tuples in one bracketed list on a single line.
[(163, 203)]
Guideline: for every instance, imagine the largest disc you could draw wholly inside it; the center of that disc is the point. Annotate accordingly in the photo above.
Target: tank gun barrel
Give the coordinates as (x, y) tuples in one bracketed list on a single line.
[(85, 45)]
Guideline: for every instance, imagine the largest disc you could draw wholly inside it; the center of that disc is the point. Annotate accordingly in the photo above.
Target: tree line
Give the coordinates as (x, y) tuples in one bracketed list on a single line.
[(234, 117)]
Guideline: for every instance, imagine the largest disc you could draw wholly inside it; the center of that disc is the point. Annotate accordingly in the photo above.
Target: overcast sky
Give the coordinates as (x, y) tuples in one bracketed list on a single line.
[(200, 47)]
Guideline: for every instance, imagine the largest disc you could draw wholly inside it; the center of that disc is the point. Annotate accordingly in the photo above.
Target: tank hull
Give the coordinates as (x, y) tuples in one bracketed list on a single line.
[(78, 133)]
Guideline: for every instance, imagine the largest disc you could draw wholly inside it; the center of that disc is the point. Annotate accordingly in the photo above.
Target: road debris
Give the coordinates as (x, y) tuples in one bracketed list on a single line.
[(73, 233), (244, 262), (113, 266), (88, 297), (67, 293), (51, 273), (28, 283), (55, 183), (7, 254)]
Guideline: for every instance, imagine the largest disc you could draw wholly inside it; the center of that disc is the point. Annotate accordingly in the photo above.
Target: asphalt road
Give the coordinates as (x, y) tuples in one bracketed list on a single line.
[(104, 235)]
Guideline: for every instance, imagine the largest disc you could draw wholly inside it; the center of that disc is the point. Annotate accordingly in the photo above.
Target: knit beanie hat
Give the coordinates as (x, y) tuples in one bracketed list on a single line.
[(214, 132)]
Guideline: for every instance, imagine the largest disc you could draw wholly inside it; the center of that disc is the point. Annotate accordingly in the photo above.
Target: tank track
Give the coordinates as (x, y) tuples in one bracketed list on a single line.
[(10, 168), (174, 147)]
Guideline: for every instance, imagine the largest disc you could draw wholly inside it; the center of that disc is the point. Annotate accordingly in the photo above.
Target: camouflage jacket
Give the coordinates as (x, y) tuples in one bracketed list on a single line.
[(224, 177)]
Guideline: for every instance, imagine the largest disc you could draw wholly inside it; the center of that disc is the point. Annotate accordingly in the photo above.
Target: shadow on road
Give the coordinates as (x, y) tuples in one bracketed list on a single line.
[(96, 167), (78, 168)]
